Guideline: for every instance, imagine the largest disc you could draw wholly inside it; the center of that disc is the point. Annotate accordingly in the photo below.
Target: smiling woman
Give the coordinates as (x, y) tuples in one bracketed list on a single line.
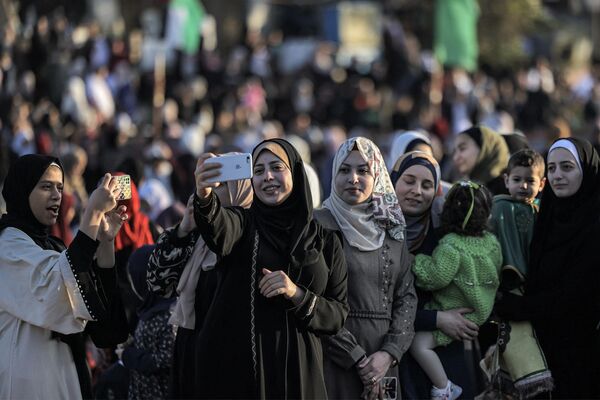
[(272, 179), (282, 284)]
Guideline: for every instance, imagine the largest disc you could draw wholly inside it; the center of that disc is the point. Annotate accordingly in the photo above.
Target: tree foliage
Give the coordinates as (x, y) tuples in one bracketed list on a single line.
[(502, 27)]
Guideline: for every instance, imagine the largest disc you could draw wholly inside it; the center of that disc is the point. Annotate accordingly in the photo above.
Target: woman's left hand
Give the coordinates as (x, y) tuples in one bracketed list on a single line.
[(373, 392), (111, 223), (373, 368), (278, 283)]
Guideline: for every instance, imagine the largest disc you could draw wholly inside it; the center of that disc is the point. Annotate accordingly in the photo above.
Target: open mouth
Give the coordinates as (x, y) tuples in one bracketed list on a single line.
[(53, 210)]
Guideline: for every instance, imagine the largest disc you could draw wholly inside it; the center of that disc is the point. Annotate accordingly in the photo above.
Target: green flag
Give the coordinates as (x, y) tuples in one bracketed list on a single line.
[(185, 22), (456, 33)]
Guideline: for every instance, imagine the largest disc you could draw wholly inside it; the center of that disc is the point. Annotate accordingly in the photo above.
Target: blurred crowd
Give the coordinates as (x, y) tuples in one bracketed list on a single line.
[(90, 96)]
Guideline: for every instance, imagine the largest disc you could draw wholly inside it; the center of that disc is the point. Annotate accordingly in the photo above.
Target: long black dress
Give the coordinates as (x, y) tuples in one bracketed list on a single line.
[(251, 346), (562, 292)]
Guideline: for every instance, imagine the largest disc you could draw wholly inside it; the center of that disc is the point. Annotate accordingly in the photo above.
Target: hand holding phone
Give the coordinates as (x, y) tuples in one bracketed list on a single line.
[(204, 174), (211, 170), (233, 167)]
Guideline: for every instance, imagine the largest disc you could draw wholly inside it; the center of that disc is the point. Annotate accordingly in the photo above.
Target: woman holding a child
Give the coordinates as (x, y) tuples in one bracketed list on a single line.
[(416, 179), (562, 290)]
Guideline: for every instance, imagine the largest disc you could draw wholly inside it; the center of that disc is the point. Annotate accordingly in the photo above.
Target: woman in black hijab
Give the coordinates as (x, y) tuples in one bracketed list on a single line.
[(282, 281), (562, 293), (48, 294)]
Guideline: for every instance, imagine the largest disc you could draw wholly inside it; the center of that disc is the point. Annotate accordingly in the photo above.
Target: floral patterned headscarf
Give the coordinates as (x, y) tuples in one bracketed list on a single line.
[(364, 225)]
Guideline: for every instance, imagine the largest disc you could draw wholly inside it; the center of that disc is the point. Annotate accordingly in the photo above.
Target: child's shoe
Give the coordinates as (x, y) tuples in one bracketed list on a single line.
[(450, 392)]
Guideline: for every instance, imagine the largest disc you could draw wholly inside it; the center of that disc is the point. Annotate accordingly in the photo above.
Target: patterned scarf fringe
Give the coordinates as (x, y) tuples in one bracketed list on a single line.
[(503, 386)]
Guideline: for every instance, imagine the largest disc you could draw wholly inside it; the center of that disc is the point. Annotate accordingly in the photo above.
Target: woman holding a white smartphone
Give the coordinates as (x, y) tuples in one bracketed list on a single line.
[(282, 282)]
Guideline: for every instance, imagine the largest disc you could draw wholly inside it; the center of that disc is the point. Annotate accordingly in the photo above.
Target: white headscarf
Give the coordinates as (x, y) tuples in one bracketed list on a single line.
[(364, 225), (570, 147), (402, 141)]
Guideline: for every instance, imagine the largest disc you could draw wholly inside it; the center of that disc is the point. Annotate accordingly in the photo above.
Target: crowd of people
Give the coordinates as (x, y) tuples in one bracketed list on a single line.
[(403, 222)]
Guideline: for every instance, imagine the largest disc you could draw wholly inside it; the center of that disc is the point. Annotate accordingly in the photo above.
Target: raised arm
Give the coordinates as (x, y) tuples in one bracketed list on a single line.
[(220, 227)]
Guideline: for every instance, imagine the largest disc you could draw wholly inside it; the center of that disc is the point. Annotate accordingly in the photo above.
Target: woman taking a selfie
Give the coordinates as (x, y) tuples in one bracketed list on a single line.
[(49, 294), (361, 359), (282, 281)]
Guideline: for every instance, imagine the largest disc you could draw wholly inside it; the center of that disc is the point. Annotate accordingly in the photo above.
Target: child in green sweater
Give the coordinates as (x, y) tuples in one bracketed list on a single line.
[(462, 272)]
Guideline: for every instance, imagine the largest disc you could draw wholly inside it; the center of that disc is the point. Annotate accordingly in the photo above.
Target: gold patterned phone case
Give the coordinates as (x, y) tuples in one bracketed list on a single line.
[(124, 183)]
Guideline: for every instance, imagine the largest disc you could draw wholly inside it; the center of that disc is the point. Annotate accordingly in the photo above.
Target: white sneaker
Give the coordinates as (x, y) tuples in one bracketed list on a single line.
[(450, 392)]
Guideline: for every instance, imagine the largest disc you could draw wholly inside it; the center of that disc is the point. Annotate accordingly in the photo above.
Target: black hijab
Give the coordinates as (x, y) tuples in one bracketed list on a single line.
[(137, 267), (564, 222), (289, 227), (23, 175)]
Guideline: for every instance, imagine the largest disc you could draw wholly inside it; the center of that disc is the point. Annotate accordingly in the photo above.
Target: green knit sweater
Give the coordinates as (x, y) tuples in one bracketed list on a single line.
[(462, 272)]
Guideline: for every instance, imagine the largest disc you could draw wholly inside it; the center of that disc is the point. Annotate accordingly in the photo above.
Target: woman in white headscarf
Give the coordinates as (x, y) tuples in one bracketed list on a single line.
[(361, 359), (407, 141)]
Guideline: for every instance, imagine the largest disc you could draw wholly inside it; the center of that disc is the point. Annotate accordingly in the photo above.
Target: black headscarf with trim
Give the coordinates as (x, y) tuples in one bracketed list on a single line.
[(289, 227), (23, 175)]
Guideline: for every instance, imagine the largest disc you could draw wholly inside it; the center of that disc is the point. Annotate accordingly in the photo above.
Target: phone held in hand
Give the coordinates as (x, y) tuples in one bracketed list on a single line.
[(233, 167), (390, 387), (124, 184)]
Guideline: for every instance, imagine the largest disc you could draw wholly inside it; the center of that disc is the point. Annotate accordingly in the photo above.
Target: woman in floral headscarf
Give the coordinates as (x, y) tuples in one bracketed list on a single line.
[(363, 207)]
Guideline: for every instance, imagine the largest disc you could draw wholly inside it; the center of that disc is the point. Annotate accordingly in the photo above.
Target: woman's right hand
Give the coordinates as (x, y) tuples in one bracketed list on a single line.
[(104, 197), (454, 324), (204, 172)]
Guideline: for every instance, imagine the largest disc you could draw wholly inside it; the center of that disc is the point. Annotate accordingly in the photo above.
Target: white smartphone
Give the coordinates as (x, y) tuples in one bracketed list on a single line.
[(233, 167)]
